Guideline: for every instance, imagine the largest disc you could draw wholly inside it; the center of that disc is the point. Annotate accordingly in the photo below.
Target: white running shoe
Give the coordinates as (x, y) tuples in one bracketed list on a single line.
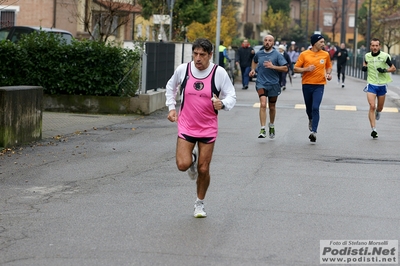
[(271, 131), (192, 171), (199, 210), (377, 115)]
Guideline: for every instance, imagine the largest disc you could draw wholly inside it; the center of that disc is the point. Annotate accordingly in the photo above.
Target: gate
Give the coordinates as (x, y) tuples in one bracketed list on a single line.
[(160, 64)]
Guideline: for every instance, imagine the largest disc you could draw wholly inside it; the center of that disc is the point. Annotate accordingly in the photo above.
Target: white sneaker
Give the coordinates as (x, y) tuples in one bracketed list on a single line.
[(199, 210), (377, 115), (271, 131), (192, 171), (343, 85)]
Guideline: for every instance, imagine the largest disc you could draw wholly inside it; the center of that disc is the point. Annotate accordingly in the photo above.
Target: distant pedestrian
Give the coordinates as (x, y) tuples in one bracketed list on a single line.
[(316, 67), (205, 89), (223, 55), (294, 55), (332, 51), (376, 63), (244, 57), (342, 56), (268, 62), (283, 75), (363, 50)]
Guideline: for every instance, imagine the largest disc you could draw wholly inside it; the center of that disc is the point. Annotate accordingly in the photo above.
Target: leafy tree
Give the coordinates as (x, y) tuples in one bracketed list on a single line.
[(383, 25), (277, 23), (248, 30), (151, 7), (362, 19), (280, 6), (295, 33), (184, 12), (208, 30)]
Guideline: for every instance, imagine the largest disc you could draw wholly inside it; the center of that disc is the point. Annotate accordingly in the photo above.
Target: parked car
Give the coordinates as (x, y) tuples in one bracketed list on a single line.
[(14, 33), (257, 48)]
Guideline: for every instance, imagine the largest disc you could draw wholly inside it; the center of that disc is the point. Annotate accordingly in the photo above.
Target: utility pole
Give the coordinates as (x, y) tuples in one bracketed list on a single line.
[(307, 20), (343, 27), (318, 11), (218, 33), (368, 40), (355, 34), (171, 13)]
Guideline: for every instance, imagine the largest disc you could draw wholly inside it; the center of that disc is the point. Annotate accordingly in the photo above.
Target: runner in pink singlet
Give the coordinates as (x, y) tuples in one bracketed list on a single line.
[(205, 89), (197, 117)]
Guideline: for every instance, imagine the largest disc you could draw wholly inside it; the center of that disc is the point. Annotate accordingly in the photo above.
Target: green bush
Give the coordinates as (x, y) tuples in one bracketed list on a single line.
[(82, 68)]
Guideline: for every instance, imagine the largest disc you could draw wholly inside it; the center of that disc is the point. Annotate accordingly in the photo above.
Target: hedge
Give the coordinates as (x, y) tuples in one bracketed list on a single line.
[(81, 68)]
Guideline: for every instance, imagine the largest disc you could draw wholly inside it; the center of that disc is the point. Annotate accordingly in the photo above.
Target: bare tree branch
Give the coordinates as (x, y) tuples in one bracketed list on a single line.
[(7, 4), (103, 18)]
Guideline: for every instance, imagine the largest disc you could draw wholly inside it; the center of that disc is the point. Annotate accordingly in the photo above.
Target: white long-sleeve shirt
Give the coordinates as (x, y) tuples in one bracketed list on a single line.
[(222, 83)]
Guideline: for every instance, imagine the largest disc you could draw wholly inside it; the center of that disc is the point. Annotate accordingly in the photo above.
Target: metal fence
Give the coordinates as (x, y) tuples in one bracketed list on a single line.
[(353, 66)]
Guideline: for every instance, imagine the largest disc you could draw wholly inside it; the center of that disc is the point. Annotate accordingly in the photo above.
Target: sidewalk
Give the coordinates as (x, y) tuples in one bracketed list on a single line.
[(58, 124)]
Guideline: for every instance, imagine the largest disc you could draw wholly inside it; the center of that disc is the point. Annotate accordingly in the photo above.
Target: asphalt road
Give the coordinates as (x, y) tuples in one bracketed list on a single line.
[(113, 195)]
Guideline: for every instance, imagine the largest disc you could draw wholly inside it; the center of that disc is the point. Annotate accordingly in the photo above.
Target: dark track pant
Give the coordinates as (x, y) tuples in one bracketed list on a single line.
[(245, 75), (312, 98)]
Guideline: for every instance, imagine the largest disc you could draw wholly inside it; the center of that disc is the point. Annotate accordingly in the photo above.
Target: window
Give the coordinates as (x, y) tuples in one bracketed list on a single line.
[(261, 12), (139, 30), (101, 22), (7, 18), (328, 19), (351, 20), (253, 7)]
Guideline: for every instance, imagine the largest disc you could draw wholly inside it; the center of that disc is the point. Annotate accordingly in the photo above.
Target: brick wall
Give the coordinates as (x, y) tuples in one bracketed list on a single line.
[(41, 13)]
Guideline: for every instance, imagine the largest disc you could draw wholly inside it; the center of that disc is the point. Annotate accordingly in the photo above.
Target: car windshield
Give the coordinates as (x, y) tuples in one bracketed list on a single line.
[(65, 36)]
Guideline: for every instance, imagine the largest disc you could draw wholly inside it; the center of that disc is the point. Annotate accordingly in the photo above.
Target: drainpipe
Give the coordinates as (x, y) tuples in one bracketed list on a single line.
[(85, 23), (54, 13)]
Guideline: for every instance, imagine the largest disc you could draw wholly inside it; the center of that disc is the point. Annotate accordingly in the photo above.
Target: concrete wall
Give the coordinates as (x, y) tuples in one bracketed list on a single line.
[(141, 104), (20, 115)]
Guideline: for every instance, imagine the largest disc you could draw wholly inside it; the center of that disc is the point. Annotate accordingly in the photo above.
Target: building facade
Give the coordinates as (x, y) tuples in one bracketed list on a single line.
[(323, 16), (76, 16)]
